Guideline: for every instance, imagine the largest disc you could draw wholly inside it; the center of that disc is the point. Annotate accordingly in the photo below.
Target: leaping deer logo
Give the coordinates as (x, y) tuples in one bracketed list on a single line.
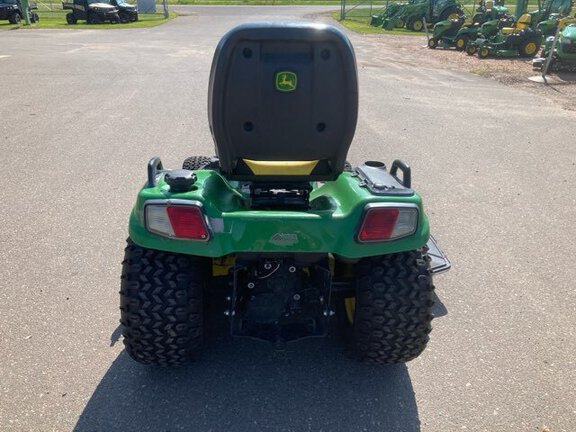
[(286, 81)]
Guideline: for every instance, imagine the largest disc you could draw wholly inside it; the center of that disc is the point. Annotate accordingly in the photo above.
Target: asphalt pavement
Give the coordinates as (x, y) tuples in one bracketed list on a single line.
[(82, 111)]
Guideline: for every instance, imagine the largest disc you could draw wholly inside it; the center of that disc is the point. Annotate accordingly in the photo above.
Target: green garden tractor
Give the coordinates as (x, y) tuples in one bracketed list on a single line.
[(525, 37), (455, 33), (278, 223), (564, 54), (416, 13), (519, 41)]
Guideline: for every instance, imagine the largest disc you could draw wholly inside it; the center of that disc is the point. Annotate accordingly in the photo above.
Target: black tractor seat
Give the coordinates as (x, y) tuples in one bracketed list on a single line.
[(283, 102)]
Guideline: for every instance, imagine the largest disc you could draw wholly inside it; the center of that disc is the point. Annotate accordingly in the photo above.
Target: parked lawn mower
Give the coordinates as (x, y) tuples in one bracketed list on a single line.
[(93, 11), (13, 11), (278, 221), (564, 55), (456, 33), (520, 40), (555, 22)]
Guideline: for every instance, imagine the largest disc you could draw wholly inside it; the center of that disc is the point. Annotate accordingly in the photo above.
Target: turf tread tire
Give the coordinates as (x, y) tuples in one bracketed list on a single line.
[(196, 162), (394, 299), (161, 304)]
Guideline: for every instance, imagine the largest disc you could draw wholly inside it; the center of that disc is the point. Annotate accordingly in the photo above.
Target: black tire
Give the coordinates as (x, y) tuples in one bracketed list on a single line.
[(400, 23), (115, 19), (529, 48), (134, 17), (124, 17), (393, 308), (461, 42), (483, 52), (36, 17), (71, 19), (415, 24), (471, 49), (432, 43), (93, 18), (161, 304), (450, 13), (15, 18), (196, 162)]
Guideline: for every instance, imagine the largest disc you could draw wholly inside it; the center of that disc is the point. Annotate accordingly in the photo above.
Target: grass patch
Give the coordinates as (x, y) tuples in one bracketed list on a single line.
[(361, 24), (57, 19), (335, 3)]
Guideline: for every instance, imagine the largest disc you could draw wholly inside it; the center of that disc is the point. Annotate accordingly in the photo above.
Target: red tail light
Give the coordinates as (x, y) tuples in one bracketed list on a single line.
[(187, 222), (182, 220), (385, 222)]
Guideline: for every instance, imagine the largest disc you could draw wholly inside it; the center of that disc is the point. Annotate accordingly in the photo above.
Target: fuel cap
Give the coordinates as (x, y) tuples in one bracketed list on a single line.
[(180, 180)]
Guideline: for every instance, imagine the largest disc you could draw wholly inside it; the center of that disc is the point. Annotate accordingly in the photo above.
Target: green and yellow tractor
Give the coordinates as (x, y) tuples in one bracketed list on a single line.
[(278, 225)]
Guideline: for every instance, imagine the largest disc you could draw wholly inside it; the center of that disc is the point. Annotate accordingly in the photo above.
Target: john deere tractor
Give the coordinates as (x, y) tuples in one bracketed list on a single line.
[(278, 223), (564, 54), (455, 33), (415, 13)]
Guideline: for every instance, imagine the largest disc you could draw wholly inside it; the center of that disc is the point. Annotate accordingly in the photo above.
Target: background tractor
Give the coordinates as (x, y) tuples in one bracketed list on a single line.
[(413, 14), (457, 32), (564, 55)]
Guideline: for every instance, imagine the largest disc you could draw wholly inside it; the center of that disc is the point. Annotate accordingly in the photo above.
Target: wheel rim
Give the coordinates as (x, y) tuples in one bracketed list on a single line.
[(350, 306), (460, 43), (531, 48), (484, 52), (417, 26)]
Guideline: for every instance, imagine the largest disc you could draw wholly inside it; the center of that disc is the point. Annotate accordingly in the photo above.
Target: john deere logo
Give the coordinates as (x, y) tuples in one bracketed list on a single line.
[(286, 81), (284, 239)]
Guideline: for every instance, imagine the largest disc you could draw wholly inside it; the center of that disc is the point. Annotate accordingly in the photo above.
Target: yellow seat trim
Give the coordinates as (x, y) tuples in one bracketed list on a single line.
[(281, 167)]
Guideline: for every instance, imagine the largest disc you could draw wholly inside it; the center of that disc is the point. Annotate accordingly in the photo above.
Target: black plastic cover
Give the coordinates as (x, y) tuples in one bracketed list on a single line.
[(373, 175), (180, 180), (313, 118)]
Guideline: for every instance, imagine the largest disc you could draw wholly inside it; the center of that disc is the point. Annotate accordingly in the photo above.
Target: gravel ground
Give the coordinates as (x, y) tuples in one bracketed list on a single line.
[(513, 72)]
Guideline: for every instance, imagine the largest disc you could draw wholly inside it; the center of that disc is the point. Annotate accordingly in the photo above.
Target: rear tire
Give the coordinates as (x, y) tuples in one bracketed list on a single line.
[(416, 25), (450, 13), (460, 43), (529, 48), (483, 53), (71, 19), (392, 313), (15, 18), (161, 304), (196, 162)]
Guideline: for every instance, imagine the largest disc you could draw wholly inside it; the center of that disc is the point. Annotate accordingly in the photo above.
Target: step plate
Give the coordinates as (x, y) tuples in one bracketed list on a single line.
[(440, 263)]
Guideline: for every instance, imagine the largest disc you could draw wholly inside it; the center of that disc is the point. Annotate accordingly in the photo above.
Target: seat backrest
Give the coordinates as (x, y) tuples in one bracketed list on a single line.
[(283, 101)]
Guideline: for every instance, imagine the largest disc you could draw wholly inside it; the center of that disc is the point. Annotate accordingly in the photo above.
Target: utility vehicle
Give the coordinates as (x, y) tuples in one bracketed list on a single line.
[(126, 11), (93, 11), (13, 11), (278, 220)]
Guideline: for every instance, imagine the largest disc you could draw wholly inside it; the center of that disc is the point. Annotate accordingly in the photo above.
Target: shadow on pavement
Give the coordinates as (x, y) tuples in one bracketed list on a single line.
[(242, 385)]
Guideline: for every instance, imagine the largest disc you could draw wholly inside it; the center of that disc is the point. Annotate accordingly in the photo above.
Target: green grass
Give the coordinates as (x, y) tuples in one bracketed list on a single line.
[(57, 19), (361, 24), (335, 3)]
